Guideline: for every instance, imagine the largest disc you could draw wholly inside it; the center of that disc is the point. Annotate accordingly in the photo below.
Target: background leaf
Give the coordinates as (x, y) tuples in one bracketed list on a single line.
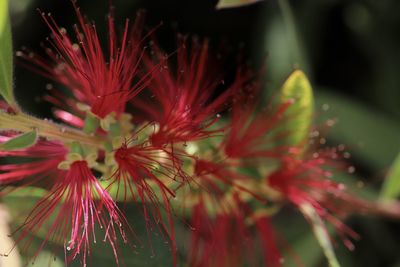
[(235, 3), (372, 137), (6, 56), (391, 187)]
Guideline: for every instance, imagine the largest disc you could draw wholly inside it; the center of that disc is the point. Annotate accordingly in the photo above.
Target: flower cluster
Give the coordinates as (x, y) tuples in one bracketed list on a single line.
[(136, 127)]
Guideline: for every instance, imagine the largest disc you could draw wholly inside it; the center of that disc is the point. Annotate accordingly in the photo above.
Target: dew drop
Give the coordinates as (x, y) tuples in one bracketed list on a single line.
[(218, 115), (49, 86), (19, 54), (75, 47), (291, 101), (351, 169), (341, 187), (346, 155), (68, 248), (314, 134), (330, 123), (325, 107)]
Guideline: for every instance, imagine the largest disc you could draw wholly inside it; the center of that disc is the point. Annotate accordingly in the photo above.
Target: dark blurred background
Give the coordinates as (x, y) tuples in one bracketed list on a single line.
[(350, 49)]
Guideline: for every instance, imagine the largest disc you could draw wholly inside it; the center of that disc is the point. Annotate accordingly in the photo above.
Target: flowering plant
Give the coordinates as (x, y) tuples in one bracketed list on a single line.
[(166, 132)]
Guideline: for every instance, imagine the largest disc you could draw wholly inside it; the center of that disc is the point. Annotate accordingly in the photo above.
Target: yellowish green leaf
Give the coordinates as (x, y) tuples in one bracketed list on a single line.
[(6, 57), (299, 116)]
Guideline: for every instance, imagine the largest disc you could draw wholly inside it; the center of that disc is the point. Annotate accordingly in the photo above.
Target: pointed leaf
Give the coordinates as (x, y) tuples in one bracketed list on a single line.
[(299, 115), (234, 3), (320, 233), (391, 187), (22, 141), (6, 57)]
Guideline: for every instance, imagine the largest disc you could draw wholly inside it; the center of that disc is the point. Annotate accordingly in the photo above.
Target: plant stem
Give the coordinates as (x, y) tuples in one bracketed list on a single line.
[(25, 123)]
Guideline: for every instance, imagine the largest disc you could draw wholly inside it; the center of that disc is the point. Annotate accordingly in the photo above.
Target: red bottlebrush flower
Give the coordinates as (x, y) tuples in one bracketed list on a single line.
[(227, 239), (45, 155), (221, 211), (186, 102), (78, 206), (211, 175), (255, 135), (104, 81), (143, 173), (307, 181)]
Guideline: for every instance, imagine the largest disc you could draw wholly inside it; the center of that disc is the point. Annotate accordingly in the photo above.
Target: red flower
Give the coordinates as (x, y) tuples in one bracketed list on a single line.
[(187, 105), (308, 181), (143, 174), (77, 205), (104, 81), (46, 154), (255, 135), (227, 239), (224, 227), (74, 205)]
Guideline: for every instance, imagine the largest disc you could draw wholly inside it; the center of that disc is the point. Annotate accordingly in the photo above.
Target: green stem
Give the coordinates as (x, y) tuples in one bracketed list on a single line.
[(25, 123)]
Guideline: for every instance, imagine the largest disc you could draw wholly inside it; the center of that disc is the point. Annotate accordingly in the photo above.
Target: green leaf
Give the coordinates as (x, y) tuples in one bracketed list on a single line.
[(29, 191), (234, 3), (47, 258), (6, 57), (364, 130), (298, 117), (391, 187), (22, 141), (321, 233), (20, 202)]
